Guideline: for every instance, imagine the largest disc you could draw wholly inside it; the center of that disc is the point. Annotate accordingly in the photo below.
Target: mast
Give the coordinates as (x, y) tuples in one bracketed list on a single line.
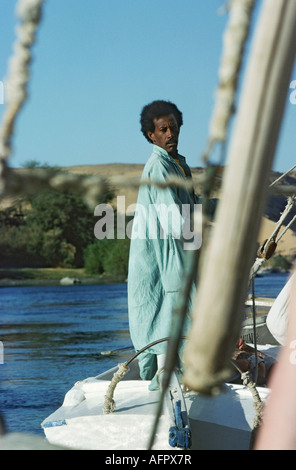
[(224, 275)]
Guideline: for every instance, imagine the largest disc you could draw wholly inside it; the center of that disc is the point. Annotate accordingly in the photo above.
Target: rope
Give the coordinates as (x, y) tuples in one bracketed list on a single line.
[(254, 329), (91, 188), (29, 181), (258, 405), (109, 403), (282, 176), (287, 227), (234, 41), (274, 238), (247, 378), (248, 382), (29, 12)]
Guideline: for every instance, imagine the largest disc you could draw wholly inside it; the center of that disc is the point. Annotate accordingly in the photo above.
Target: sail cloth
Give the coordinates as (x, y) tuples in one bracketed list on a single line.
[(277, 318), (160, 236)]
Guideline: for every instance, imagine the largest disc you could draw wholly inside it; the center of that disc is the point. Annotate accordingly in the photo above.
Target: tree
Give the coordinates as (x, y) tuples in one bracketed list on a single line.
[(63, 227), (108, 256), (52, 231)]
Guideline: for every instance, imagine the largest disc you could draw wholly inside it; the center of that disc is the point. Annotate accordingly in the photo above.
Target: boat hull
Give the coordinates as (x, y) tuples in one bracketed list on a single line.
[(221, 422)]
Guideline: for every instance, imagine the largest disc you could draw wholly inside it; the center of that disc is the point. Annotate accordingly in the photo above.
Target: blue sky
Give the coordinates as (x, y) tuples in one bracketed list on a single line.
[(98, 62)]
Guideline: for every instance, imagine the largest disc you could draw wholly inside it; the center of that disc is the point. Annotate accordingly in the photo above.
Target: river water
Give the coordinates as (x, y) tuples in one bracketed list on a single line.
[(53, 336)]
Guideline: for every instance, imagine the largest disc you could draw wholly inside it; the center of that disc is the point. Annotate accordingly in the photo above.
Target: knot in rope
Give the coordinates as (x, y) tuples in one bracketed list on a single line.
[(258, 405)]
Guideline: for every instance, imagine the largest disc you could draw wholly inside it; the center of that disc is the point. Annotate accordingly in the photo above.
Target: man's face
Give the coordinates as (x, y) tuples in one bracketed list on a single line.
[(166, 133)]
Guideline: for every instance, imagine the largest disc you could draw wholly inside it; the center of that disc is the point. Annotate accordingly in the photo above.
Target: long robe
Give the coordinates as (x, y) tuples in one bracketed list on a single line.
[(156, 261)]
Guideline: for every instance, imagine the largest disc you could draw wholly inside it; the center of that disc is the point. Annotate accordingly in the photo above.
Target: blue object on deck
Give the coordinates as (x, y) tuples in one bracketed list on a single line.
[(51, 424), (179, 435)]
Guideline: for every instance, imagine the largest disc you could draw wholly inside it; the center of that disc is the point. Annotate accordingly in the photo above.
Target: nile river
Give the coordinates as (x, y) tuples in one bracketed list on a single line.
[(53, 336)]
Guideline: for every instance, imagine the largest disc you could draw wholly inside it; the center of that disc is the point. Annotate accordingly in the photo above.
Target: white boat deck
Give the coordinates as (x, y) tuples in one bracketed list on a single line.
[(221, 422), (84, 426)]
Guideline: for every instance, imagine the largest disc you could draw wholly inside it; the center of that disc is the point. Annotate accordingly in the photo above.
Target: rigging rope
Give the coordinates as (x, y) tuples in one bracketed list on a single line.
[(109, 403), (234, 40), (258, 404), (263, 253), (282, 176), (254, 329), (29, 13)]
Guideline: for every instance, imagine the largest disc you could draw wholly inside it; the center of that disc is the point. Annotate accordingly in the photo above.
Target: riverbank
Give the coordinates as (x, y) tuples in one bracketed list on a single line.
[(50, 277), (12, 277)]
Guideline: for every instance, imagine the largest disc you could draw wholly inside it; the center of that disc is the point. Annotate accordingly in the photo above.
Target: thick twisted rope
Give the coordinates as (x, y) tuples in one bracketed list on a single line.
[(109, 403), (234, 41), (258, 405), (29, 13)]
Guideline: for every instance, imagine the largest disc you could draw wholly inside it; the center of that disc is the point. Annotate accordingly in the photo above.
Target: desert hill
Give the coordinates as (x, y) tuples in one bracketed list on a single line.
[(274, 207)]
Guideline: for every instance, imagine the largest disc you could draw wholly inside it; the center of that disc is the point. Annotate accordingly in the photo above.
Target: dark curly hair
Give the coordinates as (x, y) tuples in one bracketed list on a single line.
[(154, 110)]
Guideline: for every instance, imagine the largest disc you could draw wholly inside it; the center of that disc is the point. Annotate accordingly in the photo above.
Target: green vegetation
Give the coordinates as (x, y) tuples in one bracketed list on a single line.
[(56, 231), (53, 231), (61, 226), (108, 257)]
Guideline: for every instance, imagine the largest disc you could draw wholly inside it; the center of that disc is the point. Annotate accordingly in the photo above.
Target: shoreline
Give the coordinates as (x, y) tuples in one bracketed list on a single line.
[(52, 282), (42, 277), (28, 277)]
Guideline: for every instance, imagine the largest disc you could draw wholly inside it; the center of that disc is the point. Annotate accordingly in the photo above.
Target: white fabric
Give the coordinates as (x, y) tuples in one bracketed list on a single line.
[(277, 318)]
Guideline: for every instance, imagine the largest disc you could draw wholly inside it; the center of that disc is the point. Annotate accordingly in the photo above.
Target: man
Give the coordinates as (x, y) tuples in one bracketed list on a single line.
[(157, 244)]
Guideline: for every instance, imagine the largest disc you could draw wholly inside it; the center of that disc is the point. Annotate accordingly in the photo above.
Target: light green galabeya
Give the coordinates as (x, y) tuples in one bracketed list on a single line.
[(161, 230)]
